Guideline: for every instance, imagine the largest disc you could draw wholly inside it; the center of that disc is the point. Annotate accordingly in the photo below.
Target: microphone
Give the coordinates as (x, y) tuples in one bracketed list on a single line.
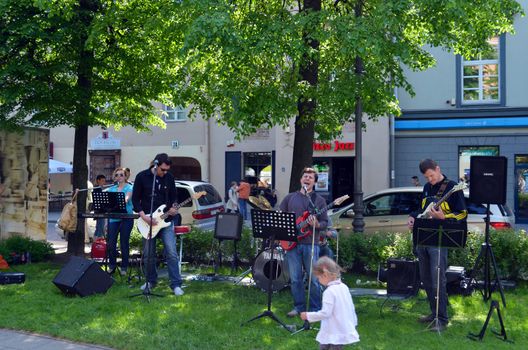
[(156, 162), (305, 189)]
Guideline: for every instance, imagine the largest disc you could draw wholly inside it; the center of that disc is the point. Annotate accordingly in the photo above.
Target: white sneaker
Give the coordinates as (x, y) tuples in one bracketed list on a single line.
[(144, 286), (178, 291)]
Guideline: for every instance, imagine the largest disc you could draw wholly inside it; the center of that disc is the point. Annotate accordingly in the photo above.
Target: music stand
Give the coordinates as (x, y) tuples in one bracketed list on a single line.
[(109, 202), (272, 225), (440, 234)]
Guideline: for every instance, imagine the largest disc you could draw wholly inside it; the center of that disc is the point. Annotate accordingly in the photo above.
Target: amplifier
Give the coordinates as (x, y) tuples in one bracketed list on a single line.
[(12, 277)]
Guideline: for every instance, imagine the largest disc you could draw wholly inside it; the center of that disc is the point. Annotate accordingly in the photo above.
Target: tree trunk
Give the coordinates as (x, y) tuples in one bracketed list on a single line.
[(304, 123), (87, 10)]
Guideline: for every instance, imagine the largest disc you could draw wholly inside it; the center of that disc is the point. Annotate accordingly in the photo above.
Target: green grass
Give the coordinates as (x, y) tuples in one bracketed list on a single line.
[(210, 314)]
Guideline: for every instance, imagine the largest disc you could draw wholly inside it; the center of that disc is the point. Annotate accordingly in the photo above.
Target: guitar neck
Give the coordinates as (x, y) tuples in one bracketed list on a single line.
[(177, 206)]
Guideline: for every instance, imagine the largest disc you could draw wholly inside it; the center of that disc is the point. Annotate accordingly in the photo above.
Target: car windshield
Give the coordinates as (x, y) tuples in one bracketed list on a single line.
[(211, 196)]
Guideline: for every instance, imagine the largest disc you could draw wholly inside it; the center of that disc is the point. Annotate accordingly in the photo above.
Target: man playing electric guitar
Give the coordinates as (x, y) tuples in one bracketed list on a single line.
[(301, 257), (452, 208), (164, 194)]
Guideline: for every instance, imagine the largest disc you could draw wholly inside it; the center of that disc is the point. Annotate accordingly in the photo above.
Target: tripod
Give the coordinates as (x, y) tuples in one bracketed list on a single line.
[(147, 293), (486, 255), (272, 225)]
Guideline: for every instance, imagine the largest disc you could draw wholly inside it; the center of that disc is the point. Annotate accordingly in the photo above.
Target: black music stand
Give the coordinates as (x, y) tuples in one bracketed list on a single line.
[(109, 202), (272, 225), (440, 234)]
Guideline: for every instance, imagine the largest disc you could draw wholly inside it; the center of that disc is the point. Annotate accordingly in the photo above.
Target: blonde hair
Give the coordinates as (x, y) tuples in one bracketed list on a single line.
[(327, 265), (124, 170)]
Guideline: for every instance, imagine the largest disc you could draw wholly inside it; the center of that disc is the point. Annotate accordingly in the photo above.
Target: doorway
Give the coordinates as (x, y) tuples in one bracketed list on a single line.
[(521, 189)]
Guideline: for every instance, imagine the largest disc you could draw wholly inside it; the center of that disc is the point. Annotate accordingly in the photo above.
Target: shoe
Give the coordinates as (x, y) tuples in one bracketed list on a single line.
[(438, 327), (111, 270), (123, 272), (292, 313), (426, 319), (144, 286), (178, 291)]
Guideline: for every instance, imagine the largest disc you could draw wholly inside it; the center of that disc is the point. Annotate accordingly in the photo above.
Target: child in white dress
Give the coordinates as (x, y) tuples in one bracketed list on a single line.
[(338, 315)]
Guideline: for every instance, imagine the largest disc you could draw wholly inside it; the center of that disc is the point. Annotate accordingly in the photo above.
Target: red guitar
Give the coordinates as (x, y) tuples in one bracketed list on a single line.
[(303, 228)]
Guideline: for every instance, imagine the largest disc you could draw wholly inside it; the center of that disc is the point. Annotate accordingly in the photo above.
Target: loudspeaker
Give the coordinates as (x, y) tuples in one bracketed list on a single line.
[(402, 277), (487, 180), (82, 276), (228, 226)]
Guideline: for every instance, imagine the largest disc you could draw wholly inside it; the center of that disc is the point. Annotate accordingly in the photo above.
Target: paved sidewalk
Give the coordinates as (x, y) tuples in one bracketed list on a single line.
[(16, 340)]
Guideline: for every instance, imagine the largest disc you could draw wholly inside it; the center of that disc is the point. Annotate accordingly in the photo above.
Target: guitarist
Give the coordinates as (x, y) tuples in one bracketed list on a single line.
[(301, 257), (164, 193), (454, 208)]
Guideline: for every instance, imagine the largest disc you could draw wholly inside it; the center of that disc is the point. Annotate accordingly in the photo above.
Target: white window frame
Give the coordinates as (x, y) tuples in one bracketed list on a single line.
[(175, 114), (481, 63)]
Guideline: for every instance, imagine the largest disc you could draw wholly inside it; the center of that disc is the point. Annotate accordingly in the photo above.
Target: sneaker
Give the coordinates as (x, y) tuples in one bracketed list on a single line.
[(111, 270), (144, 286), (426, 319), (292, 313), (123, 272), (178, 291)]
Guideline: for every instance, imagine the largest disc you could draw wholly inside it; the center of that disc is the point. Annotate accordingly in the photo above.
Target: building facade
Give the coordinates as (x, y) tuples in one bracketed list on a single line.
[(466, 107)]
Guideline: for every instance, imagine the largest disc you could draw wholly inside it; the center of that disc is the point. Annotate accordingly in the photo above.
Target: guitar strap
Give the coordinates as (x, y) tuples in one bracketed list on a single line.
[(442, 188)]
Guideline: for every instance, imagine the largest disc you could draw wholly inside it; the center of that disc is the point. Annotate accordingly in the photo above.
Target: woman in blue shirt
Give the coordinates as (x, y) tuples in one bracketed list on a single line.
[(123, 227)]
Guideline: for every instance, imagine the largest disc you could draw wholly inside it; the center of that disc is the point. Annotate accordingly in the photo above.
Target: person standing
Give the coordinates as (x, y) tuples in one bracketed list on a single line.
[(164, 193), (338, 314), (301, 257), (454, 208), (415, 181), (232, 195), (121, 227), (244, 190), (100, 182)]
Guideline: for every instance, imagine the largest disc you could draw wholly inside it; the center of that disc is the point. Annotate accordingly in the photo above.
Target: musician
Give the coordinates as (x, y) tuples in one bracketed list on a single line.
[(121, 227), (454, 208), (164, 193), (302, 256), (100, 181)]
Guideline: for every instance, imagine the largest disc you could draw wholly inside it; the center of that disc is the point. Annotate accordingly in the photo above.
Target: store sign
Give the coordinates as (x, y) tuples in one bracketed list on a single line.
[(336, 146), (105, 140)]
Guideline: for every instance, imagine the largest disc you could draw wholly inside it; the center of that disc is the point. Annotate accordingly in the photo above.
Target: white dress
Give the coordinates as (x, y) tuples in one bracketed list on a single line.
[(232, 202), (338, 316)]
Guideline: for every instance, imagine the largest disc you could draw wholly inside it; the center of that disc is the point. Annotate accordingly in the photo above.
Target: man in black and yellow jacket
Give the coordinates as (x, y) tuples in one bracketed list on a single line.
[(454, 208)]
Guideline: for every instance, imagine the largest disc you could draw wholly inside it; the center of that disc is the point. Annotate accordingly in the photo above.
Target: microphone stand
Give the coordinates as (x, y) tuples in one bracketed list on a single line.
[(306, 324), (147, 291)]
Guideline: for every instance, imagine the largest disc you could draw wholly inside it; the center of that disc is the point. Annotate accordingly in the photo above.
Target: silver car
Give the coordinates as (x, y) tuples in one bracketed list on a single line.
[(200, 212), (388, 210)]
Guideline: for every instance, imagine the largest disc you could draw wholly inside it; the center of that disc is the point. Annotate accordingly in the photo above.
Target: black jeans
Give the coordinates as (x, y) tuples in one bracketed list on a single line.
[(433, 266)]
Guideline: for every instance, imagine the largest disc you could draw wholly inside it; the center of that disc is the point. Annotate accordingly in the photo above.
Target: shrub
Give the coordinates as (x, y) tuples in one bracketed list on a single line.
[(18, 245)]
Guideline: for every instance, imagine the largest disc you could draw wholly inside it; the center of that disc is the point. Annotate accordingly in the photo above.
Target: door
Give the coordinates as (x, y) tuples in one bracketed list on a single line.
[(104, 162), (521, 189)]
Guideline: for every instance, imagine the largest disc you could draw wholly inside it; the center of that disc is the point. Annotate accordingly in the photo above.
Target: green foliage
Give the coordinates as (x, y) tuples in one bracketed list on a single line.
[(38, 250)]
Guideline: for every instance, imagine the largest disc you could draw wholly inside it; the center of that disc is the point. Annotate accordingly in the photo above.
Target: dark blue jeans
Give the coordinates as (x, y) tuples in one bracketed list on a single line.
[(298, 260), (432, 277), (123, 228), (169, 248)]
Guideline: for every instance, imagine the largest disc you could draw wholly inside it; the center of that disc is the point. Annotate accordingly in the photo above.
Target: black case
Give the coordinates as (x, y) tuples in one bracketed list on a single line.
[(12, 277)]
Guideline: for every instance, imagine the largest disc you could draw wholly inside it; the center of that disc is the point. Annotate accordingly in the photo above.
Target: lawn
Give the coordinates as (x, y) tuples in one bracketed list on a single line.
[(210, 314)]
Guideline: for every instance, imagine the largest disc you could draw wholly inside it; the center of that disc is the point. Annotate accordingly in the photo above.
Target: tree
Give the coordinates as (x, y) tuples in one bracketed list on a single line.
[(261, 63), (82, 63)]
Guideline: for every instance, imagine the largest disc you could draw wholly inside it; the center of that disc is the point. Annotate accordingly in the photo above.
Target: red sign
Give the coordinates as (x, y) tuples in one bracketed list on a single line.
[(336, 146)]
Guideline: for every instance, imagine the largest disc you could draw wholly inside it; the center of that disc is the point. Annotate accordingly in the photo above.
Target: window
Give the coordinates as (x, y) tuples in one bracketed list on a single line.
[(481, 76), (174, 114)]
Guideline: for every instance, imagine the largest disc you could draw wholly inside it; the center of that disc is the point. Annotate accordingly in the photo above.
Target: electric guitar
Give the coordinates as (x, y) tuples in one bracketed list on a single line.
[(303, 228), (433, 203), (162, 217)]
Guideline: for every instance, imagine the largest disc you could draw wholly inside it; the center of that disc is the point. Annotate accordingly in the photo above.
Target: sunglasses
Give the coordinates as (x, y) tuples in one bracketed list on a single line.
[(164, 170), (116, 175)]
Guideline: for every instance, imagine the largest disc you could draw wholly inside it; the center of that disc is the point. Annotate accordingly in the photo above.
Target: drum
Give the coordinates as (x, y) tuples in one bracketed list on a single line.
[(261, 274)]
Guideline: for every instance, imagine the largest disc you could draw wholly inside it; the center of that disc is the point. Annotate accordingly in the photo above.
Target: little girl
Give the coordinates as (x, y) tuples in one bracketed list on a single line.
[(338, 315)]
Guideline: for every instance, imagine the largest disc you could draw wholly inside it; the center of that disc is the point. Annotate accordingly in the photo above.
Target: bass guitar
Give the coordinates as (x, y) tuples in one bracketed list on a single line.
[(433, 203), (162, 217), (303, 228)]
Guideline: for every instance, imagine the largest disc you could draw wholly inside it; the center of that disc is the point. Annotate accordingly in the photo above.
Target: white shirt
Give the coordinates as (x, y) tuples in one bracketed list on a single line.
[(338, 316)]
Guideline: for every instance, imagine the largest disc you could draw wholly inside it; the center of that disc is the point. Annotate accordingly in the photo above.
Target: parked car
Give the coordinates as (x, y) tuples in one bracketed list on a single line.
[(389, 209), (201, 212)]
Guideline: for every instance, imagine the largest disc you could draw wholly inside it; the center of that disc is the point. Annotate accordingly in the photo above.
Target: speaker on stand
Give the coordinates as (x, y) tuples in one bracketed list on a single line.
[(228, 226)]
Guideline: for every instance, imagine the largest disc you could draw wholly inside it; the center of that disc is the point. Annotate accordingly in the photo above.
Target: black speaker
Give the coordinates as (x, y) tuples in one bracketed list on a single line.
[(82, 276), (228, 226), (402, 277), (487, 180)]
